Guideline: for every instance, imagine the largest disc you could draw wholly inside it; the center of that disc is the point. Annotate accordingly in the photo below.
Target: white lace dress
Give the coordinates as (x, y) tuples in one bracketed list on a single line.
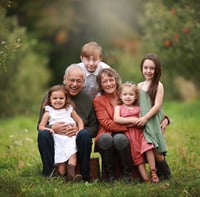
[(64, 146)]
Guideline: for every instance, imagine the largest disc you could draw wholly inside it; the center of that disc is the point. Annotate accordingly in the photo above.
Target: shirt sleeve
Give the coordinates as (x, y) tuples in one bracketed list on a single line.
[(105, 117)]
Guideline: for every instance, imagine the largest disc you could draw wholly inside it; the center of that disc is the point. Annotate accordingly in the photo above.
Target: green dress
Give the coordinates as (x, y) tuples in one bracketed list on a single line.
[(152, 130)]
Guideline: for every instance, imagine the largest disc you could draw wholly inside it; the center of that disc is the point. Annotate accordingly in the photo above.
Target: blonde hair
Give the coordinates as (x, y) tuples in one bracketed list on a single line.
[(134, 88), (91, 49)]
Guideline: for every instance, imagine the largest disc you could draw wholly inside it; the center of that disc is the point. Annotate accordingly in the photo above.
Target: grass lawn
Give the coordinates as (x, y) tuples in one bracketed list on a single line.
[(20, 164)]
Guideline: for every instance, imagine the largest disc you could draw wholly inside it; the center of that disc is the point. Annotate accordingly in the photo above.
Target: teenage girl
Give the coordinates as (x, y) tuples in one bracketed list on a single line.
[(151, 100)]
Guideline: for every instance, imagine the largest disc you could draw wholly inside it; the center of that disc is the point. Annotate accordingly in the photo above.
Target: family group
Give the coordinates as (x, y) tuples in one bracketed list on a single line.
[(125, 120)]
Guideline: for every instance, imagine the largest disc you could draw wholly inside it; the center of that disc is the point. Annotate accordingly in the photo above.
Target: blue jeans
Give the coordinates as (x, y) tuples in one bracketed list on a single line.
[(84, 146), (46, 149)]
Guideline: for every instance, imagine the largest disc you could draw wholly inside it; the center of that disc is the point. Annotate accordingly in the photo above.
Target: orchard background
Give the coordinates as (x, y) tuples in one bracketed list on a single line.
[(39, 39)]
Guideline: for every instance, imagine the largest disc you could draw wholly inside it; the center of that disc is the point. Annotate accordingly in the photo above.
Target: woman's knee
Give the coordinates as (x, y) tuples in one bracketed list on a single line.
[(105, 141), (121, 141)]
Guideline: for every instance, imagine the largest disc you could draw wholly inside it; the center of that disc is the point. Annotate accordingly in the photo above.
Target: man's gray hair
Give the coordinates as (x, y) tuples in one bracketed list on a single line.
[(72, 66)]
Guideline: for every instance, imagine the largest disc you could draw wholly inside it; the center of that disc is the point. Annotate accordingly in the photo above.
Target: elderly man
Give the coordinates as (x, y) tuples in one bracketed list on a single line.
[(73, 81)]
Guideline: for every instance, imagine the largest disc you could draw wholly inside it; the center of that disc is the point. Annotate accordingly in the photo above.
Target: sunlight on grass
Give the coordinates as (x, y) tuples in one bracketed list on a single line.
[(20, 164)]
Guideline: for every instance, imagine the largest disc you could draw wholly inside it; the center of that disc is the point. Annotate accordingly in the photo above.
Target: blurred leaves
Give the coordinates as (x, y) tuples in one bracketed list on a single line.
[(24, 73), (41, 37), (172, 31), (67, 25)]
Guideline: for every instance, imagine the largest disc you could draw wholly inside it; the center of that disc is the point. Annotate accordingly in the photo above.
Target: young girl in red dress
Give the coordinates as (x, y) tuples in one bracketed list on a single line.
[(128, 113)]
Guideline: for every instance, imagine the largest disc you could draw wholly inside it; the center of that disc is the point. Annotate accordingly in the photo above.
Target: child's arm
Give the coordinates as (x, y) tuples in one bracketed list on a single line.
[(78, 120), (122, 120), (157, 104), (44, 121)]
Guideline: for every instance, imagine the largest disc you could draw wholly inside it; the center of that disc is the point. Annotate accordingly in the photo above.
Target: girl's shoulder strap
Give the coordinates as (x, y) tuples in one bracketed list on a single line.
[(140, 84)]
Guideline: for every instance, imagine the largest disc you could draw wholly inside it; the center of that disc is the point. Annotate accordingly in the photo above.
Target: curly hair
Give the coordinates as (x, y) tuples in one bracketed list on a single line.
[(135, 91)]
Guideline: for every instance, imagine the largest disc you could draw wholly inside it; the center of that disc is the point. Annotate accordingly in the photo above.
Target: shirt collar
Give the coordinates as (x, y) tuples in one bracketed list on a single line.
[(96, 72)]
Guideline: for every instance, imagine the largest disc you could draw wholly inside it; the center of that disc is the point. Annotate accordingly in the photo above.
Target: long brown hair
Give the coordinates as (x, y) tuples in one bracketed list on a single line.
[(152, 90), (57, 88)]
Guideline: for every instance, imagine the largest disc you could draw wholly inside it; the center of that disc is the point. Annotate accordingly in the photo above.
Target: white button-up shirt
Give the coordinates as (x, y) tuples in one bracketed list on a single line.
[(91, 85)]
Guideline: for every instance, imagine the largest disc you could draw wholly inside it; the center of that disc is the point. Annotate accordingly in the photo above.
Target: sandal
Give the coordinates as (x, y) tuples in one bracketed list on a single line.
[(154, 176), (146, 180)]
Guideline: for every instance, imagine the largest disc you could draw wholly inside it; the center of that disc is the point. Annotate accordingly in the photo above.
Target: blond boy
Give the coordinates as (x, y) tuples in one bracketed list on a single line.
[(91, 64)]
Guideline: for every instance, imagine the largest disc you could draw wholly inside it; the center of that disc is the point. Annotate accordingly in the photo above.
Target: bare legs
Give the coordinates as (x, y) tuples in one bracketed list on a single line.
[(69, 169), (150, 156), (61, 167), (159, 167)]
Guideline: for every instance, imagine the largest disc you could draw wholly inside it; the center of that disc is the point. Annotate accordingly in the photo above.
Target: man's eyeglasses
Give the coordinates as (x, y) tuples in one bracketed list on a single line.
[(79, 81)]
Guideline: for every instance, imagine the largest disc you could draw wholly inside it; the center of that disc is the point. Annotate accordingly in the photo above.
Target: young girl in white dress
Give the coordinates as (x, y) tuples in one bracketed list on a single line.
[(59, 108)]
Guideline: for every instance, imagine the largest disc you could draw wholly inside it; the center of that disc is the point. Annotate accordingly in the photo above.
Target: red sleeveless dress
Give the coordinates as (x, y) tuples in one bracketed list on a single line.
[(135, 135)]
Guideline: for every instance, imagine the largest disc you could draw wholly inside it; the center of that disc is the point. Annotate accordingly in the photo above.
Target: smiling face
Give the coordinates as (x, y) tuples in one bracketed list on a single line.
[(108, 83), (91, 55), (58, 99), (74, 80), (128, 95), (148, 69), (151, 67), (90, 63)]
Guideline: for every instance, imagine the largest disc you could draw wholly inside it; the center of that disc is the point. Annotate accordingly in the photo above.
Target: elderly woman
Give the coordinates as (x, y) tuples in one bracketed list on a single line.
[(111, 142)]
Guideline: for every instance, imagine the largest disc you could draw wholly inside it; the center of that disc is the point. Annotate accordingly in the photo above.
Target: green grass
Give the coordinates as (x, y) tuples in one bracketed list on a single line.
[(20, 164)]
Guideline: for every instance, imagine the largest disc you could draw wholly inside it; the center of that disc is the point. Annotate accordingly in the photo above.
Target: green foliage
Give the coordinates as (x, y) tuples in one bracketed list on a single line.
[(171, 29), (66, 26), (20, 163), (126, 65), (23, 81), (51, 33), (7, 46)]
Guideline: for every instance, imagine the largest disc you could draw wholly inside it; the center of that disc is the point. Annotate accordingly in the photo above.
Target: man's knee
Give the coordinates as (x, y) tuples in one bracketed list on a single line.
[(83, 137), (42, 135), (120, 141), (45, 137)]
